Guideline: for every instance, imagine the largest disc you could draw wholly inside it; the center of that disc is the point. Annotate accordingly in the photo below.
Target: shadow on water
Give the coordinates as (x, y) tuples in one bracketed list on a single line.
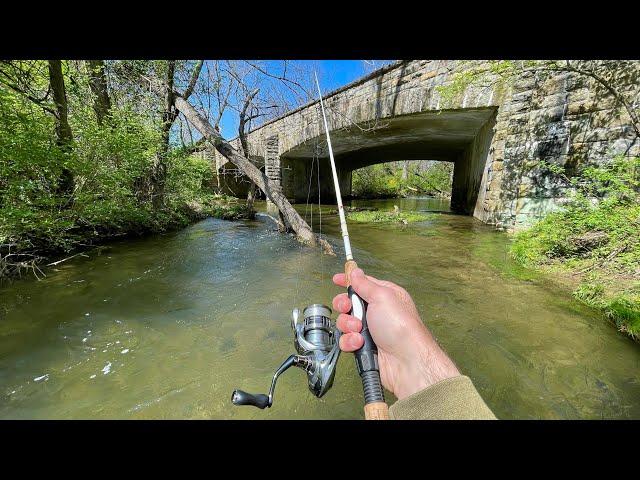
[(167, 326)]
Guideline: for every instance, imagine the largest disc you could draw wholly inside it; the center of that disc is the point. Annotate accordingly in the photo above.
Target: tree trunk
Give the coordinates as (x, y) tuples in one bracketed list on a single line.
[(405, 170), (251, 194), (159, 174), (98, 85), (64, 136), (292, 218)]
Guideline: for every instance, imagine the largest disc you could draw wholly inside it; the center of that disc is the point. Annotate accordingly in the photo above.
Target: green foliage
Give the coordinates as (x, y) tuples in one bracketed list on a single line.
[(597, 233), (111, 166), (454, 90), (372, 182), (385, 180), (606, 200)]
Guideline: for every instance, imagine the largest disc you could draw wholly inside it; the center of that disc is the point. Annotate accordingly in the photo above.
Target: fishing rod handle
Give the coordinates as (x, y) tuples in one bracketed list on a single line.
[(366, 357)]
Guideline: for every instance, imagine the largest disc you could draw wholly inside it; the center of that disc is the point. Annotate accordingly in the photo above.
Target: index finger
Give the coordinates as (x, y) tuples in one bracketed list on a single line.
[(340, 279)]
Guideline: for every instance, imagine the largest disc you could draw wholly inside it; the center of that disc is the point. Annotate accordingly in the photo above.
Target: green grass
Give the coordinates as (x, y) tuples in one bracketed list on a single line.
[(622, 308)]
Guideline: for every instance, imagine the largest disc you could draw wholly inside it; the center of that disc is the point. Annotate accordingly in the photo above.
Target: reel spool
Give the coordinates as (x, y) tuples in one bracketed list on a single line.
[(315, 337)]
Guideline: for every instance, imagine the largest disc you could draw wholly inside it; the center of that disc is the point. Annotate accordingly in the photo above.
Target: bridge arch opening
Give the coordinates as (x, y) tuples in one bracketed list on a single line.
[(460, 136), (408, 177)]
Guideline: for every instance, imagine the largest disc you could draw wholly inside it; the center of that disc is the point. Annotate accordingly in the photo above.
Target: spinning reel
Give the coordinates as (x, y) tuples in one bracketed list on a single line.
[(316, 340)]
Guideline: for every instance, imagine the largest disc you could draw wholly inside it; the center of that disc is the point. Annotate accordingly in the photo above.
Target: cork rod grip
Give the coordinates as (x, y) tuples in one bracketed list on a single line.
[(375, 407), (376, 411), (349, 266)]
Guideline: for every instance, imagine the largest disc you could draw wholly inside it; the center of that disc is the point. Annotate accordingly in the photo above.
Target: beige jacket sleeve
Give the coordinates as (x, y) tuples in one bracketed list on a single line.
[(451, 399)]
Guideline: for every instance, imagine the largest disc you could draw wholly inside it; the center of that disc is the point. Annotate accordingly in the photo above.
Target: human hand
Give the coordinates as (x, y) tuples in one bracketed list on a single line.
[(410, 359)]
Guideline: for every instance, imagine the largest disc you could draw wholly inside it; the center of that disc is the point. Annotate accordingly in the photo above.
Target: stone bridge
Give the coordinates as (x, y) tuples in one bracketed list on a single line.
[(497, 134)]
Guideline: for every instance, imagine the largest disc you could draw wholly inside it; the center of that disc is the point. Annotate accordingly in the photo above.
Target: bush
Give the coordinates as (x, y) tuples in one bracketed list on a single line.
[(111, 166)]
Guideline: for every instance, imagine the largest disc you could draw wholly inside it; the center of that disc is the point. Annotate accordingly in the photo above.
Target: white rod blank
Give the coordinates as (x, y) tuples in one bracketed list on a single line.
[(343, 220)]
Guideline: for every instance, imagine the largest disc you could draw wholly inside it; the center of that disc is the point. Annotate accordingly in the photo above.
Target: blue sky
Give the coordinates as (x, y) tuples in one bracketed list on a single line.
[(332, 74)]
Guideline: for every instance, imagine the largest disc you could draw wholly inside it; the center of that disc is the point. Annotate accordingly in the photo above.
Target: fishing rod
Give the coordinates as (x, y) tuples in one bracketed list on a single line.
[(366, 357), (316, 337)]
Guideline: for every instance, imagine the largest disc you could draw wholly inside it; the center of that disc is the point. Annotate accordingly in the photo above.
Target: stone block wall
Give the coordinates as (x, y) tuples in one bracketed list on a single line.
[(565, 119)]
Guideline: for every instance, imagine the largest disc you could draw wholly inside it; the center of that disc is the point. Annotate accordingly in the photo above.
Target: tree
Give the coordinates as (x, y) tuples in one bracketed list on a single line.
[(169, 115), (98, 85), (243, 141), (26, 78), (64, 136), (292, 219)]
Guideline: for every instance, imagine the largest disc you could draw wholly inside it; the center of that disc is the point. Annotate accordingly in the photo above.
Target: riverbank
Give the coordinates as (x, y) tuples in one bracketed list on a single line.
[(593, 245), (55, 235), (608, 282), (405, 193)]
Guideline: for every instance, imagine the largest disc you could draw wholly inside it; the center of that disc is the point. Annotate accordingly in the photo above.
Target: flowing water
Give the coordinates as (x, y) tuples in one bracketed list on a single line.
[(168, 326)]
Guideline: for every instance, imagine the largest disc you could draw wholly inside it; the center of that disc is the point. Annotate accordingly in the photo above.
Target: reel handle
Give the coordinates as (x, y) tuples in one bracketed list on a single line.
[(260, 400), (366, 357)]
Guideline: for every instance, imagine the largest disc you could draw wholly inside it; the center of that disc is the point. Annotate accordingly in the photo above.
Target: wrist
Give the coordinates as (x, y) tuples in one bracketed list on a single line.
[(428, 365)]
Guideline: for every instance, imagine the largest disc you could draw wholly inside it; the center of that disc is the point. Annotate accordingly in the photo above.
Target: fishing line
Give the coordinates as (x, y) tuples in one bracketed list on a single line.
[(307, 218), (320, 225)]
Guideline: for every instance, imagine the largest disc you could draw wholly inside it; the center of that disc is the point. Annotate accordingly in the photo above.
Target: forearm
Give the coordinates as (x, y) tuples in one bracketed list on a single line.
[(450, 399)]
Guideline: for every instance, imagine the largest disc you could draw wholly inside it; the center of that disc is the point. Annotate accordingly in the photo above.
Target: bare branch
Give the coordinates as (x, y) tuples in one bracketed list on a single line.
[(194, 79), (243, 120)]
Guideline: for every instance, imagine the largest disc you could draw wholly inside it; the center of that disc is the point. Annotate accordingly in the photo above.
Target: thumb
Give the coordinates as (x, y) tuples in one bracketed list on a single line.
[(364, 287)]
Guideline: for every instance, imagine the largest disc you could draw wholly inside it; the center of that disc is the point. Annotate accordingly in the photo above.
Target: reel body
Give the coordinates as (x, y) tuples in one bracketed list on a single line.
[(315, 338)]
